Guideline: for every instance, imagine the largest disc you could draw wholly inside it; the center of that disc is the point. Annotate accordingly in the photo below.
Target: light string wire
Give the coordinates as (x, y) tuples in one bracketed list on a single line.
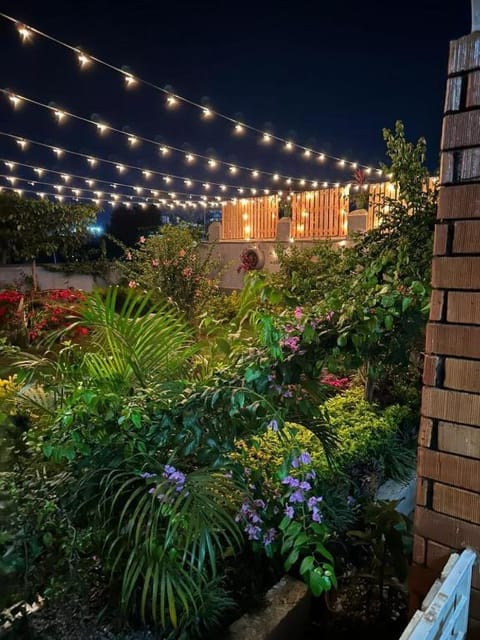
[(66, 177), (84, 59), (134, 139), (114, 200), (167, 177)]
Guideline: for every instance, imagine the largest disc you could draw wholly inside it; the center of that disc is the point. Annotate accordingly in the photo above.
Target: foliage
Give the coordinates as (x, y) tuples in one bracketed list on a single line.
[(172, 266), (385, 541), (30, 228), (284, 516), (168, 530), (128, 224)]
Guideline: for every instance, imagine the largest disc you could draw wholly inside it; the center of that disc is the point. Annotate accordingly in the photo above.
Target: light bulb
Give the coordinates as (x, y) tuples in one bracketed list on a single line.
[(212, 163), (58, 152), (223, 187), (232, 169), (167, 179), (354, 165), (147, 174), (302, 183), (132, 140), (267, 137), (60, 115), (325, 184), (24, 32), (23, 144), (164, 150), (189, 157), (130, 81), (92, 161), (341, 163), (188, 183), (39, 172), (171, 101), (58, 187), (207, 113), (288, 146), (206, 186), (307, 153), (368, 170), (83, 60), (239, 128), (314, 184), (289, 181), (138, 189), (276, 177), (321, 157), (102, 128), (255, 174), (15, 100), (240, 190), (90, 182), (65, 177)]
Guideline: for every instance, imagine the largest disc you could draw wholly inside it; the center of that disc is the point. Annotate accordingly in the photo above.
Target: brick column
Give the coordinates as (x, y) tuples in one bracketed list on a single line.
[(447, 515)]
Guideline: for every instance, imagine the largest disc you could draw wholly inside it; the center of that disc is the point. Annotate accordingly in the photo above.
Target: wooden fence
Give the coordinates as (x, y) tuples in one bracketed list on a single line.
[(250, 218), (315, 214)]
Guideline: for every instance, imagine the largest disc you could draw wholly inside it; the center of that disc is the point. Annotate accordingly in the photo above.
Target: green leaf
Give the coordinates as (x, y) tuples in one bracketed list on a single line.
[(291, 559), (388, 322), (316, 582), (307, 565)]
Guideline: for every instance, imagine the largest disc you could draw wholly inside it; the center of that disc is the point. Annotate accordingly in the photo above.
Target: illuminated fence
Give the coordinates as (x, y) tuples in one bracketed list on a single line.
[(250, 218), (314, 214), (319, 214)]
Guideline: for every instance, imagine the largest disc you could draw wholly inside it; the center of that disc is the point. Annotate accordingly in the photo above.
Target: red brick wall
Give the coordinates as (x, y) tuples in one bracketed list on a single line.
[(447, 515)]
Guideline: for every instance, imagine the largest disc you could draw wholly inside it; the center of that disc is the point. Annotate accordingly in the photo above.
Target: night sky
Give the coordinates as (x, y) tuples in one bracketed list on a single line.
[(330, 75)]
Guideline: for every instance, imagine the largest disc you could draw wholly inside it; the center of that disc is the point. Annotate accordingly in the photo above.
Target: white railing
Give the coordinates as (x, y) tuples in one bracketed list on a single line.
[(444, 612)]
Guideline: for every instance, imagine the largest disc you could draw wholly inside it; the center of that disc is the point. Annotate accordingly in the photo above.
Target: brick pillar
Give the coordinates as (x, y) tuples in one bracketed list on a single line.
[(447, 515)]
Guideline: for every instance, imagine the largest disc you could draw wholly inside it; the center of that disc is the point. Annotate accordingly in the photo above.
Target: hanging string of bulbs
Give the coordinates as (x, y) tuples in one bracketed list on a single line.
[(90, 182), (27, 33), (121, 167), (133, 140)]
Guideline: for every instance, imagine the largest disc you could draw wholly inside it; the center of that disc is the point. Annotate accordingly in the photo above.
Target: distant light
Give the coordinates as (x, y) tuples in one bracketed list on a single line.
[(239, 128), (130, 81), (92, 161), (23, 144), (83, 60), (24, 32), (60, 115), (267, 137)]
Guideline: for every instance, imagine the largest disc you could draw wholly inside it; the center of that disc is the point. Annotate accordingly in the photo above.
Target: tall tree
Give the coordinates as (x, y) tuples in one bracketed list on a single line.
[(30, 228)]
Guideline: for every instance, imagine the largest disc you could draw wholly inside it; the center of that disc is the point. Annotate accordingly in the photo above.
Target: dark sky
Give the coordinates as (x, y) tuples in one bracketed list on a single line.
[(331, 74)]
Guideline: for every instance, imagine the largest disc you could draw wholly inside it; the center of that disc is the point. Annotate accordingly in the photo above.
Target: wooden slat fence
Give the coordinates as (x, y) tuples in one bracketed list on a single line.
[(319, 214), (315, 214), (250, 218)]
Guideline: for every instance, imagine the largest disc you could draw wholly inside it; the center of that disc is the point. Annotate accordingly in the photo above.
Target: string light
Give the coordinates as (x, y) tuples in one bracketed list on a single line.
[(83, 60), (102, 128), (60, 115), (58, 152), (288, 145), (233, 169), (132, 141), (189, 157), (164, 151), (307, 153), (147, 174), (255, 174), (65, 177), (212, 163), (239, 128), (15, 100), (321, 157), (26, 33), (120, 168), (341, 163), (39, 171), (23, 144)]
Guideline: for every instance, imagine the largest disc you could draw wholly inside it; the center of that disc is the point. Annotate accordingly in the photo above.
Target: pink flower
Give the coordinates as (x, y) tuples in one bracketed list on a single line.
[(187, 272), (298, 313), (142, 240), (132, 284), (155, 263), (129, 255), (182, 253)]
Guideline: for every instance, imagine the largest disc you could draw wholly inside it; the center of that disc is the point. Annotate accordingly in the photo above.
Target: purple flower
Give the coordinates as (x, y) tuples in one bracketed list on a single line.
[(313, 501), (146, 475), (310, 475), (291, 482), (298, 313), (260, 504), (291, 343), (168, 469), (305, 458), (252, 531), (297, 496), (269, 537), (289, 512), (306, 486), (316, 515), (351, 501), (287, 394), (227, 474), (273, 425)]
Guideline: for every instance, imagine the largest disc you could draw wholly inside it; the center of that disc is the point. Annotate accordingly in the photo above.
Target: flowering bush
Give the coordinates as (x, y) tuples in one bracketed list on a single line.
[(37, 313), (249, 261), (286, 518), (173, 265)]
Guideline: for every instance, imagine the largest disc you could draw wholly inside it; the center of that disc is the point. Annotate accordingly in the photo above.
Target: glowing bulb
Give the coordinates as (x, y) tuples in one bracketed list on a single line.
[(280, 193), (92, 161), (171, 101), (289, 181), (83, 60), (65, 177), (212, 162), (276, 177), (188, 183), (23, 144), (314, 184), (368, 170), (138, 189), (189, 157), (336, 185), (288, 146), (58, 152), (253, 191), (15, 100), (341, 163), (267, 191), (39, 172), (114, 186), (321, 157), (58, 187), (60, 115), (24, 32), (233, 169), (164, 150), (101, 128), (132, 140), (120, 168), (40, 194), (77, 192), (255, 174), (206, 186), (379, 171), (99, 194), (302, 183), (207, 113), (240, 190), (354, 165), (11, 179), (239, 128), (267, 137), (307, 153), (223, 187), (147, 174), (90, 182), (167, 179), (130, 81), (154, 193)]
